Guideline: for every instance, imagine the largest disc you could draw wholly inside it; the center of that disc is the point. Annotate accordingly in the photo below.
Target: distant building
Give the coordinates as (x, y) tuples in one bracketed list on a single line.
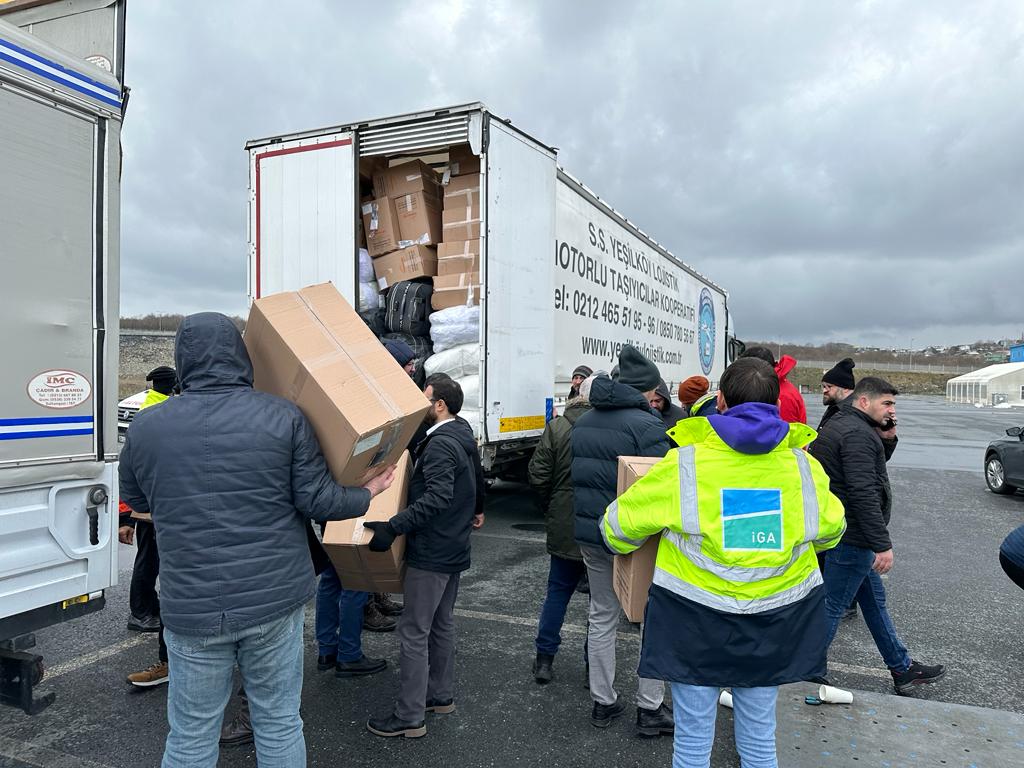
[(1017, 353), (992, 385)]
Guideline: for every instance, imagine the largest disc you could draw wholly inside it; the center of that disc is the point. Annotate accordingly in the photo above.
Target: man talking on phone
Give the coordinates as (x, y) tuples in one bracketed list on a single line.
[(850, 448)]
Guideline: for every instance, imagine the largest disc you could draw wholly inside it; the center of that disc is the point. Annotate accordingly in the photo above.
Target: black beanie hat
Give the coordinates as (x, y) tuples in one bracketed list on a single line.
[(164, 379), (582, 370), (841, 374), (637, 371)]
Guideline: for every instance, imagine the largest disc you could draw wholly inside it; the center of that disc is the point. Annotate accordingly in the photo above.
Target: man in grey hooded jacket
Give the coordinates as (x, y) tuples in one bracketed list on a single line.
[(232, 477)]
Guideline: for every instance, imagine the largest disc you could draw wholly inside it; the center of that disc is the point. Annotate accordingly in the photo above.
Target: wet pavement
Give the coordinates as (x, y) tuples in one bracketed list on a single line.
[(948, 597)]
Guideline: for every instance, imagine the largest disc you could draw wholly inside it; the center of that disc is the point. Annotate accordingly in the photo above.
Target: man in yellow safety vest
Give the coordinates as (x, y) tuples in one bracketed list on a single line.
[(737, 598)]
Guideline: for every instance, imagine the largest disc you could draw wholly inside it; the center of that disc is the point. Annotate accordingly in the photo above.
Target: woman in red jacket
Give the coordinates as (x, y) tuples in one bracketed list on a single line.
[(791, 402)]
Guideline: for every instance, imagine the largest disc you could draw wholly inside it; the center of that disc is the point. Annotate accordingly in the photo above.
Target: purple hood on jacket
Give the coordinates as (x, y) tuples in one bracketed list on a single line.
[(752, 428)]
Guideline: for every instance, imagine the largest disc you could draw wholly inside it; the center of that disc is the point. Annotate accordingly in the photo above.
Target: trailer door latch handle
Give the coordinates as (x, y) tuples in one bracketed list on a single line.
[(97, 496)]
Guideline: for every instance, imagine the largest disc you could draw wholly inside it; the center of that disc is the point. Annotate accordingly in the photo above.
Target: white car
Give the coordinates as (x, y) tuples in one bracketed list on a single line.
[(126, 410)]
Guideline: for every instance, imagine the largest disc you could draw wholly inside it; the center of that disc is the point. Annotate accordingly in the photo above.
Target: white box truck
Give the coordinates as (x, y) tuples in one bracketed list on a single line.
[(59, 214), (566, 279)]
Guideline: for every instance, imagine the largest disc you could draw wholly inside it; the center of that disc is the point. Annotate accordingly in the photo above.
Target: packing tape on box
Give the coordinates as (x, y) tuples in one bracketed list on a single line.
[(467, 193), (408, 202), (385, 398), (446, 177)]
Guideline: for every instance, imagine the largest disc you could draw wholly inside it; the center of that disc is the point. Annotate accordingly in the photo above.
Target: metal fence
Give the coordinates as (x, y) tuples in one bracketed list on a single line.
[(897, 365)]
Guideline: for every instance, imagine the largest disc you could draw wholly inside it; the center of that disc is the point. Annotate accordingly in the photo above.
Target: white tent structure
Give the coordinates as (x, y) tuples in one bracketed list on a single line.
[(994, 385)]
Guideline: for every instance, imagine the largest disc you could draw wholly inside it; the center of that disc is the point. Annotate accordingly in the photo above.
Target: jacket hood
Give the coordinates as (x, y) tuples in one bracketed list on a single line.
[(574, 409), (662, 392), (607, 395), (209, 354), (751, 428), (784, 366)]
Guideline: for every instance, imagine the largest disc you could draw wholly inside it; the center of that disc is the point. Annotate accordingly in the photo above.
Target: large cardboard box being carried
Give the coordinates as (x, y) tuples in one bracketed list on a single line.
[(456, 290), (632, 574), (406, 264), (347, 541), (419, 219), (310, 347), (380, 223)]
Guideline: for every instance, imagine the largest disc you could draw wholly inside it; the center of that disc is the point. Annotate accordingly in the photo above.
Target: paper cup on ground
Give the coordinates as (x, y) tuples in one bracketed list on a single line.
[(725, 699), (831, 695)]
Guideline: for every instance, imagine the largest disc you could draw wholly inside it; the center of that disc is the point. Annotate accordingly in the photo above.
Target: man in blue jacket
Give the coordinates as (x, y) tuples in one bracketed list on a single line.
[(231, 477), (620, 423)]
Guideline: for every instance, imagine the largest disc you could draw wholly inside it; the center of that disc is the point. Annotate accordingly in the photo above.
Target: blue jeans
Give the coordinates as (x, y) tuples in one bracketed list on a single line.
[(563, 576), (339, 618), (201, 669), (694, 711), (848, 574)]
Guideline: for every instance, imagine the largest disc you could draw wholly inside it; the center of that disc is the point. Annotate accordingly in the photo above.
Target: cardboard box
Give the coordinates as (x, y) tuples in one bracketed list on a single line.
[(460, 223), (456, 290), (458, 265), (380, 223), (312, 348), (458, 248), (406, 178), (459, 184), (465, 198), (406, 264), (419, 219), (632, 574), (462, 161), (347, 541)]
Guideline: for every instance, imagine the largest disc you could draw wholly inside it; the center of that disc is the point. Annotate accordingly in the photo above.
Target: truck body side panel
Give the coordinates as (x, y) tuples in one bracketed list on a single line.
[(518, 321)]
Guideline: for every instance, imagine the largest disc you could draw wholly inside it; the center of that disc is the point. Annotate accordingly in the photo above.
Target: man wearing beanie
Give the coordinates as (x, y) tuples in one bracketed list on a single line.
[(581, 372), (620, 423), (836, 385), (695, 398)]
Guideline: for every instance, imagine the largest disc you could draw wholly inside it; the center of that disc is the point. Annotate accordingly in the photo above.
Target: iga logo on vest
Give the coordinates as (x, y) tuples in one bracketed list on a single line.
[(706, 331), (752, 518)]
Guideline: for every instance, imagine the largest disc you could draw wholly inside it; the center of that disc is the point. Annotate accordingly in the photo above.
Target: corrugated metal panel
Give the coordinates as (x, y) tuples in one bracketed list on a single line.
[(419, 136)]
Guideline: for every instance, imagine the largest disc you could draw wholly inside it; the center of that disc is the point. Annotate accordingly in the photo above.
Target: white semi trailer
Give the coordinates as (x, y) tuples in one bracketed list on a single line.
[(60, 112), (566, 279)]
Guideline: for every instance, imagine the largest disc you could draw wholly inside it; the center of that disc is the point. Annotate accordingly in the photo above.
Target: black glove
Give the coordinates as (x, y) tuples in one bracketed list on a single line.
[(383, 536)]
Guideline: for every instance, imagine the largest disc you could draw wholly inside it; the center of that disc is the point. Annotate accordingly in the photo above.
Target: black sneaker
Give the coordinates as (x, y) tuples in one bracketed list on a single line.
[(390, 726), (583, 585), (603, 714), (542, 671), (917, 674), (440, 706), (360, 668), (323, 663), (239, 730), (386, 605), (651, 723), (849, 613), (144, 623)]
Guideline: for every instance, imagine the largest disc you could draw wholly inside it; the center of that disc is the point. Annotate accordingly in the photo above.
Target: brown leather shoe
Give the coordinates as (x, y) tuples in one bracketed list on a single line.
[(387, 606), (147, 678), (375, 621)]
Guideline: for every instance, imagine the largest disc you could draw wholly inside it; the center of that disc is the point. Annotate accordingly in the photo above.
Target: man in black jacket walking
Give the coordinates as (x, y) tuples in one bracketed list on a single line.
[(621, 423), (851, 451), (442, 513)]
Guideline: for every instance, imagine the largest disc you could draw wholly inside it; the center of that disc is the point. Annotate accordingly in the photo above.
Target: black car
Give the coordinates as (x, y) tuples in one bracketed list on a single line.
[(1004, 462)]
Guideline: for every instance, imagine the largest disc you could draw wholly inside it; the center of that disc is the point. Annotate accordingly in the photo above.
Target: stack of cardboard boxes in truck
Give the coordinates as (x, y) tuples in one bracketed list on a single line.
[(312, 348), (458, 256)]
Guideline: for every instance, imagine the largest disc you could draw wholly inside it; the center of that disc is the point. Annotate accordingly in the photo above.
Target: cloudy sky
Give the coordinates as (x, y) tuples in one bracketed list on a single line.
[(847, 170)]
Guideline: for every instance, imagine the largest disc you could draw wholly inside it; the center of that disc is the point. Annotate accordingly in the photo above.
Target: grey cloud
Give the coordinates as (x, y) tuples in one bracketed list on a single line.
[(845, 170)]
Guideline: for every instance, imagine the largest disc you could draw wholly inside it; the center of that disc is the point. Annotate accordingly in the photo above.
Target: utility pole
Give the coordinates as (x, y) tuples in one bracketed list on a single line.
[(911, 352)]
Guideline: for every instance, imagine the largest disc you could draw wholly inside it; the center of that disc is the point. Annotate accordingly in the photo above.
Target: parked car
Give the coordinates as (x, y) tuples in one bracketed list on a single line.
[(1004, 462), (126, 410)]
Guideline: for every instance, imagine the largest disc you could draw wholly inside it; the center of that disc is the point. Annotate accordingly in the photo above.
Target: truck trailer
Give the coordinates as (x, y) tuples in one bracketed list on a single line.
[(61, 111), (565, 279)]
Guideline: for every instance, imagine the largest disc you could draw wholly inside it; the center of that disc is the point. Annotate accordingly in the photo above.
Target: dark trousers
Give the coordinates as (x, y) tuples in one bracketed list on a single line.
[(563, 576), (426, 636), (1014, 571), (142, 596)]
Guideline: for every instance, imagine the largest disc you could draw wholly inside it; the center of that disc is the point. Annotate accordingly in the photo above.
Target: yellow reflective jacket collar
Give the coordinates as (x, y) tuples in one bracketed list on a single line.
[(699, 430)]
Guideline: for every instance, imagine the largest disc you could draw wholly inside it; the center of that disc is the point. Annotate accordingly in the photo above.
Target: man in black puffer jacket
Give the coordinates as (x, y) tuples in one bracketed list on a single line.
[(621, 423), (441, 514), (851, 451), (231, 477)]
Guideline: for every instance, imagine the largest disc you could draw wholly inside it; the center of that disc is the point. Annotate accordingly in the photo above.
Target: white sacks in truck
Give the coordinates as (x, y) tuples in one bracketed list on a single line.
[(463, 360), (453, 326), (369, 294)]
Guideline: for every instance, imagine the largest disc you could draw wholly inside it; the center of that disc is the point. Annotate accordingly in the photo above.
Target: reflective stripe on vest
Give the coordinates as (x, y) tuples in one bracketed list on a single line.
[(690, 545), (612, 515), (725, 604), (699, 402)]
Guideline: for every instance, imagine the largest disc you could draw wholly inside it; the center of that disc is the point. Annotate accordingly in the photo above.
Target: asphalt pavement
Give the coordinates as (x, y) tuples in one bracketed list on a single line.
[(948, 597)]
